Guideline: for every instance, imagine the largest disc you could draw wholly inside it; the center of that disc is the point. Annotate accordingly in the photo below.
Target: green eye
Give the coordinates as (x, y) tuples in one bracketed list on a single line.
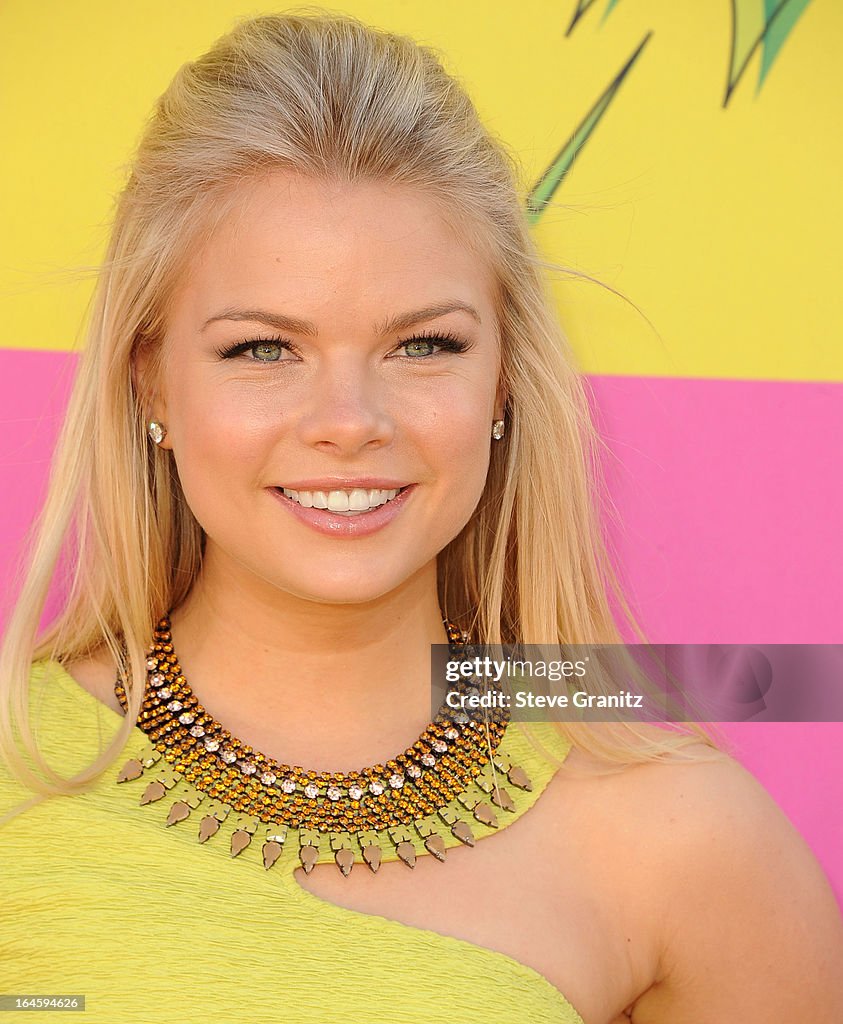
[(408, 346), (443, 341), (267, 351)]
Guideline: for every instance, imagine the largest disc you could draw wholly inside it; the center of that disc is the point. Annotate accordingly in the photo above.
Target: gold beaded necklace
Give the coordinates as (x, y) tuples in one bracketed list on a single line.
[(439, 782)]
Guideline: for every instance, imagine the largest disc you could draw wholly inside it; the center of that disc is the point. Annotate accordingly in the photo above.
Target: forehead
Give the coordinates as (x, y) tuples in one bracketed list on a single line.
[(308, 242)]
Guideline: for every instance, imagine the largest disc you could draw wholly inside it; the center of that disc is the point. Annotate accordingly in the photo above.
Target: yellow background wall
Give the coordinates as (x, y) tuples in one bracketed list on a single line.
[(721, 223)]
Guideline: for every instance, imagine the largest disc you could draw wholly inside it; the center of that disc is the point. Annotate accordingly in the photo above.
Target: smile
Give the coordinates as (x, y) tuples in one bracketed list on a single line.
[(345, 503), (333, 514)]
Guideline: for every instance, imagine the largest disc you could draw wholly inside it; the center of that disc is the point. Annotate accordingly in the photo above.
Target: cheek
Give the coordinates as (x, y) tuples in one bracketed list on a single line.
[(458, 445), (225, 423), (458, 406), (221, 437), (460, 423)]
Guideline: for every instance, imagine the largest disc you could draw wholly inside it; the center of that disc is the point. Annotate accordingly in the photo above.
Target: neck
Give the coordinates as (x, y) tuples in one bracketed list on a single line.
[(329, 686)]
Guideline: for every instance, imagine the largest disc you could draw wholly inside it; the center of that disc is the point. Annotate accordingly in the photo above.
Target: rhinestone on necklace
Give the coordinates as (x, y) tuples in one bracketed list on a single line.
[(438, 783)]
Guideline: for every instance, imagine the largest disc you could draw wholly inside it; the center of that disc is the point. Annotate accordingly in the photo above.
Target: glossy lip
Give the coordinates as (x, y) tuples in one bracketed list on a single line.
[(335, 483), (331, 525)]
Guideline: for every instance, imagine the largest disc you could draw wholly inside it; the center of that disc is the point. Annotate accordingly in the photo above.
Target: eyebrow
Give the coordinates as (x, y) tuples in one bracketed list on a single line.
[(399, 322)]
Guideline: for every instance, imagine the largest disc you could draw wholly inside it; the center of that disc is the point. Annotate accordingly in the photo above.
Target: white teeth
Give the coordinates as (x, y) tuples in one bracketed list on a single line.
[(338, 501), (359, 500), (342, 502)]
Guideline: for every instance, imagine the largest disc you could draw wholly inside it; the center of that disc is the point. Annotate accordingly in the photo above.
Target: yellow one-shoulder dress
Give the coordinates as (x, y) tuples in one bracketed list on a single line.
[(98, 897)]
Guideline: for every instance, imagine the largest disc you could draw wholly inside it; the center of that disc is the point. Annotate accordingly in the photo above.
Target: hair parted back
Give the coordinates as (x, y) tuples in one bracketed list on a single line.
[(320, 94)]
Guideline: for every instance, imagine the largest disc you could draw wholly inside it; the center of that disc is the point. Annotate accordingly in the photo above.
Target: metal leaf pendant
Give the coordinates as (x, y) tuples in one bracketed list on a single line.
[(308, 855), (154, 791), (239, 841), (271, 852), (178, 812), (484, 814), (436, 845), (372, 856), (463, 833), (208, 827), (501, 798), (345, 860), (518, 777), (132, 769), (407, 853)]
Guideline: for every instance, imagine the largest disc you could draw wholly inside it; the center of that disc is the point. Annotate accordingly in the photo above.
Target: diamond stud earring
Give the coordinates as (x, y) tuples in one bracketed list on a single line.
[(156, 432), (497, 429)]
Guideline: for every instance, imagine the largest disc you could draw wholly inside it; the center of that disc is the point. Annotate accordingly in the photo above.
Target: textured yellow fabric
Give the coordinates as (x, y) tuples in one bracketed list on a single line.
[(99, 898)]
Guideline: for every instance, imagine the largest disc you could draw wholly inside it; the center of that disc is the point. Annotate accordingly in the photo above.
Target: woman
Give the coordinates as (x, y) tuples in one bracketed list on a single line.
[(325, 419)]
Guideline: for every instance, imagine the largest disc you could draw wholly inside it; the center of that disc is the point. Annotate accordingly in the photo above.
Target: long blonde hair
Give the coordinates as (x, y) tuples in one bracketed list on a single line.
[(324, 95)]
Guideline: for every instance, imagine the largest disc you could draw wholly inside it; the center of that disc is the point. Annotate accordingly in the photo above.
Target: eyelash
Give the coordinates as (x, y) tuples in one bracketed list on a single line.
[(445, 340)]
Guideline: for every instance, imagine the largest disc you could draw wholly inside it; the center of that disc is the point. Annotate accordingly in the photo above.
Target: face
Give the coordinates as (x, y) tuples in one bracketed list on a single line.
[(326, 337)]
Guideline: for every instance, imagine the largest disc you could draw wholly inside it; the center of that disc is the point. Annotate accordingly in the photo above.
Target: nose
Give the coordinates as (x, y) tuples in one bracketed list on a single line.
[(347, 411)]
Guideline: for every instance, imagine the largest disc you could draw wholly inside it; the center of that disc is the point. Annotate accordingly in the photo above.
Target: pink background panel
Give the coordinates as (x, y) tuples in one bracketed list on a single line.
[(725, 516), (726, 510), (729, 498)]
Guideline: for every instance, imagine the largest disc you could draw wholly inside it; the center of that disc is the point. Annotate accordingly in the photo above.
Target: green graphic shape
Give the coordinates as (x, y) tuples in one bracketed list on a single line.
[(755, 23), (782, 19), (610, 6), (542, 192), (583, 6), (759, 23)]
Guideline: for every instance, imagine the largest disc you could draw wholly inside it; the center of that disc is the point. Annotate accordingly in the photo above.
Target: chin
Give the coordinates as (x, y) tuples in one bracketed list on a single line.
[(337, 599), (340, 590)]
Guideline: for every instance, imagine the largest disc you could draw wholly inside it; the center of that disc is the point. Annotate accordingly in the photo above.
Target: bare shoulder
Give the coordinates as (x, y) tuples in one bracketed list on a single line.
[(746, 924), (97, 675), (731, 915), (652, 793)]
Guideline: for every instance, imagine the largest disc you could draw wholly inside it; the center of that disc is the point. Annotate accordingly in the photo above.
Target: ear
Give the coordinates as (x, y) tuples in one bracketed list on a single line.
[(150, 398)]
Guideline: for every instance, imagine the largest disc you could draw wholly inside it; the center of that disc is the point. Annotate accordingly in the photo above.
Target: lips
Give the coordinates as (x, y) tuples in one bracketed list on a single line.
[(368, 483), (337, 525)]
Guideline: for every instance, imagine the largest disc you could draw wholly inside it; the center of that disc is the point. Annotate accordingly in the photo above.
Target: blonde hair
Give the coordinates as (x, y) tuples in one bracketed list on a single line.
[(324, 95)]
